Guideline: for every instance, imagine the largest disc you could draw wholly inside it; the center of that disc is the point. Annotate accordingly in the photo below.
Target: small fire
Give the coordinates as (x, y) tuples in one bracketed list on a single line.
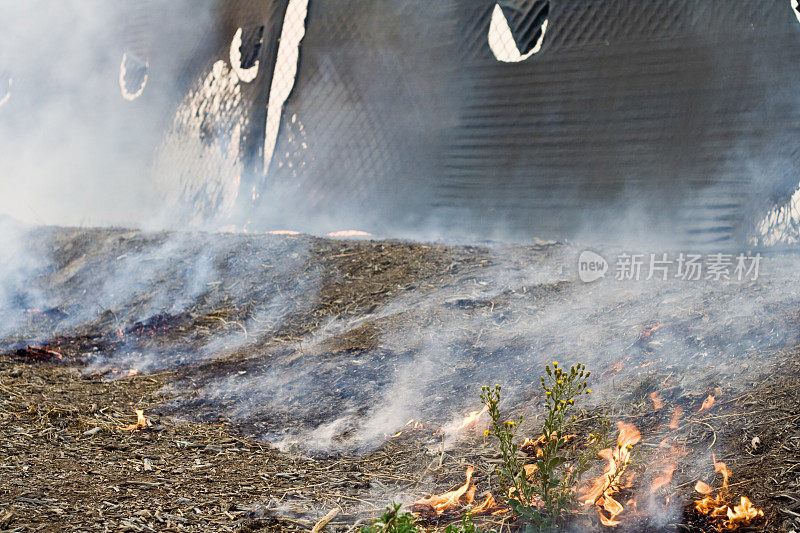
[(455, 499), (439, 504), (530, 444), (717, 508), (658, 403), (488, 505), (744, 512), (707, 403), (472, 418), (142, 422), (603, 488)]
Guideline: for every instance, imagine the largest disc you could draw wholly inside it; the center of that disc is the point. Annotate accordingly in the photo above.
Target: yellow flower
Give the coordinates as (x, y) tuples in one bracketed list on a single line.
[(486, 433), (555, 363), (588, 391)]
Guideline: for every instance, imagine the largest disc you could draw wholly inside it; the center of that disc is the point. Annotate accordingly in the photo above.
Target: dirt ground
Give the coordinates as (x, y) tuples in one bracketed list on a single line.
[(287, 339), (67, 464)]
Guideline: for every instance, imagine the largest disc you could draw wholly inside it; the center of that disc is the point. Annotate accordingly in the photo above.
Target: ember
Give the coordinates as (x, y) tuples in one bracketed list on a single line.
[(39, 353), (707, 403), (658, 403), (603, 488), (676, 418), (649, 332), (617, 366)]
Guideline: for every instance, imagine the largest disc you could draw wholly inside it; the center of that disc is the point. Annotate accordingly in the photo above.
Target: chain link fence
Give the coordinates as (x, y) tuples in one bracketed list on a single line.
[(513, 118)]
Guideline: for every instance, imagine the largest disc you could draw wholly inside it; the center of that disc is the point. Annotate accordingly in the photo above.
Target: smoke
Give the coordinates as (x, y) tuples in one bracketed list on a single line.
[(74, 148), (133, 114), (510, 312), (20, 262)]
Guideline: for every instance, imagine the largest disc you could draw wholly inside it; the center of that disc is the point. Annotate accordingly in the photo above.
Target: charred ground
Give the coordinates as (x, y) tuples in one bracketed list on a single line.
[(241, 341)]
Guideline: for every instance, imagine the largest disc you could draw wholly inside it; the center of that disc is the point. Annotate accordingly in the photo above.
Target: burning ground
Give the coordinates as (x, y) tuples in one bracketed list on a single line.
[(278, 375)]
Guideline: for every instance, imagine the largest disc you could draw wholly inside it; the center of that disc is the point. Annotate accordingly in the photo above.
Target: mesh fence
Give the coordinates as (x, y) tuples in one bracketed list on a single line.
[(529, 117)]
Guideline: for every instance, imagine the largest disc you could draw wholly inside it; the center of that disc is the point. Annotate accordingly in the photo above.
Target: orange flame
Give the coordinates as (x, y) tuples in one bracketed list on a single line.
[(473, 417), (486, 506), (744, 512), (415, 425), (529, 469), (707, 403), (141, 422), (533, 447), (530, 444), (603, 488), (716, 507), (664, 478), (668, 468), (489, 505), (439, 504)]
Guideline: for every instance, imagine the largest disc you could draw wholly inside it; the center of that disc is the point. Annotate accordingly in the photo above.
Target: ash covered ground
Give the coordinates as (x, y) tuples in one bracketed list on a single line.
[(277, 369)]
